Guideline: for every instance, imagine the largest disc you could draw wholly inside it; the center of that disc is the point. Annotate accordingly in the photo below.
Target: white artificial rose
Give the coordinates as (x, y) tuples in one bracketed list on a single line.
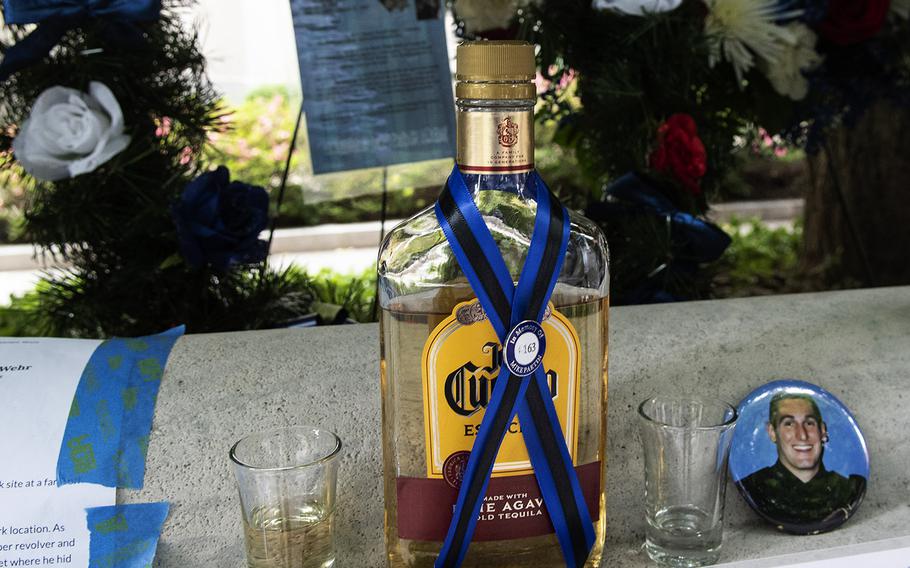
[(70, 133), (786, 73), (638, 7), (482, 15)]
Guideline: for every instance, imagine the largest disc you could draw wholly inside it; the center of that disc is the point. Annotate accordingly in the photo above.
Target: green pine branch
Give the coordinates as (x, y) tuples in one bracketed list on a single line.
[(114, 225)]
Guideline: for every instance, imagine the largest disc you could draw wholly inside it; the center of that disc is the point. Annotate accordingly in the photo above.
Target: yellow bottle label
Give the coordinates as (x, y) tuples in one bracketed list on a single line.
[(461, 361)]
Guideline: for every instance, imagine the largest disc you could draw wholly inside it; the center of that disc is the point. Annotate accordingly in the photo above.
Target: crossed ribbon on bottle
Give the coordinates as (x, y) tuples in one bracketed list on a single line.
[(515, 312)]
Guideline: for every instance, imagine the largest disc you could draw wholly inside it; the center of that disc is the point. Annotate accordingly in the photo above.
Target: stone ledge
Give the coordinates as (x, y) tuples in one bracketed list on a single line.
[(770, 210), (220, 387), (365, 235), (303, 239)]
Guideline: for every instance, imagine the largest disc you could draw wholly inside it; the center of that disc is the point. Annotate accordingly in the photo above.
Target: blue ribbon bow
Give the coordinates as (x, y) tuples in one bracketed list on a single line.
[(511, 309), (693, 240), (56, 17)]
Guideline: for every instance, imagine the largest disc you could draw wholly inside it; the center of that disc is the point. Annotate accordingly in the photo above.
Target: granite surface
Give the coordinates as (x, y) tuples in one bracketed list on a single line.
[(220, 387)]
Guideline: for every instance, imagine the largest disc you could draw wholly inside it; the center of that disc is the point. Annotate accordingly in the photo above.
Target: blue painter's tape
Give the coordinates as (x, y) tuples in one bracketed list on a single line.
[(106, 436), (125, 536)]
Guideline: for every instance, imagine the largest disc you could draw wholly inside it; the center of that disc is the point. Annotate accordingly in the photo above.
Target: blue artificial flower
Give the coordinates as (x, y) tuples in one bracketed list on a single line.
[(692, 240), (219, 221)]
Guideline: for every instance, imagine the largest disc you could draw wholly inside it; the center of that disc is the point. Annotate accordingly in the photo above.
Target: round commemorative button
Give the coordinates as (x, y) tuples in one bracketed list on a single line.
[(524, 349), (798, 457)]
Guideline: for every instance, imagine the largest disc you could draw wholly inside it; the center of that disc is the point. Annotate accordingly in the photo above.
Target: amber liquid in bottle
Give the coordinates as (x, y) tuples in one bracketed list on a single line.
[(421, 289)]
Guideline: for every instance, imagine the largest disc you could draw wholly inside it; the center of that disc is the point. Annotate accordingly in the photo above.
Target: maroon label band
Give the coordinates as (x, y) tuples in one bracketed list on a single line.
[(513, 507)]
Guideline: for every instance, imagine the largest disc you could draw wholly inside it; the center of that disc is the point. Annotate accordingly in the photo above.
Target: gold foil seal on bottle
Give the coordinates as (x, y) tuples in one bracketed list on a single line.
[(502, 70)]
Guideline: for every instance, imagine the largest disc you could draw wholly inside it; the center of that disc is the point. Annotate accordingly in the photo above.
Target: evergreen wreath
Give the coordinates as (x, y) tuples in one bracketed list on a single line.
[(146, 247)]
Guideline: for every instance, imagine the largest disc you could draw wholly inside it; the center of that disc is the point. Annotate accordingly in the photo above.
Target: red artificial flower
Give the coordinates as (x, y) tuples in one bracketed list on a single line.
[(853, 21), (680, 152)]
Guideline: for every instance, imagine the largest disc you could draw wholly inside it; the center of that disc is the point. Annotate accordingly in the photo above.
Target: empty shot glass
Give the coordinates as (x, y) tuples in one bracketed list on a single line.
[(287, 483), (686, 443)]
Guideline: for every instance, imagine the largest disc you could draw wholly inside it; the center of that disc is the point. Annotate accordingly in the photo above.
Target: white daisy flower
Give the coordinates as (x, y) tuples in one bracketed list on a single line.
[(787, 73), (742, 29)]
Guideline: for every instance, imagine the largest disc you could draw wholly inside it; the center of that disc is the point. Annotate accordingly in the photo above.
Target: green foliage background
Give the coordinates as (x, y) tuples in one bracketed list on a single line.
[(98, 222), (253, 141), (114, 226)]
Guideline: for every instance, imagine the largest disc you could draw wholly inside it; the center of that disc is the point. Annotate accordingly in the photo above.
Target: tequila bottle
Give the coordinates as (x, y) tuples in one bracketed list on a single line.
[(439, 355)]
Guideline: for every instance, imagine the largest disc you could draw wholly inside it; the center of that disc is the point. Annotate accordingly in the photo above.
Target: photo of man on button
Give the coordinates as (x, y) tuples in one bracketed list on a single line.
[(797, 493)]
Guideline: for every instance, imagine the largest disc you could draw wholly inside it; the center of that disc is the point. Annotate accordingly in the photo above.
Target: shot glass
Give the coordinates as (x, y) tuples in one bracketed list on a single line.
[(287, 480), (686, 443)]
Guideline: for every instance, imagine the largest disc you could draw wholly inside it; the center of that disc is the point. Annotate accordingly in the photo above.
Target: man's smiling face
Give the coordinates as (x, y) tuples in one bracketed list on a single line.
[(798, 435)]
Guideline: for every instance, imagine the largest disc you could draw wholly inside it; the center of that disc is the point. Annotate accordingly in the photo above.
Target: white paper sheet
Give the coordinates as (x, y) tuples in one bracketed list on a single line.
[(377, 88), (41, 524)]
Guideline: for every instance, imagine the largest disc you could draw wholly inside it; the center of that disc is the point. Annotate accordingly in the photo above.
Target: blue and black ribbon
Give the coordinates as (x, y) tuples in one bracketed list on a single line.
[(121, 20), (506, 306)]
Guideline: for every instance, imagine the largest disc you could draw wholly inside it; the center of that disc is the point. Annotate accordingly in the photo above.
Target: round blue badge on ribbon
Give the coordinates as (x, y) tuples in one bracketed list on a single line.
[(524, 349)]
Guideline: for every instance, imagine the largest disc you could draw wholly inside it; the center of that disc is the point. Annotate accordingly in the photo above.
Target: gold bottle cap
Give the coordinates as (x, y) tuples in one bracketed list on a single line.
[(495, 70)]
